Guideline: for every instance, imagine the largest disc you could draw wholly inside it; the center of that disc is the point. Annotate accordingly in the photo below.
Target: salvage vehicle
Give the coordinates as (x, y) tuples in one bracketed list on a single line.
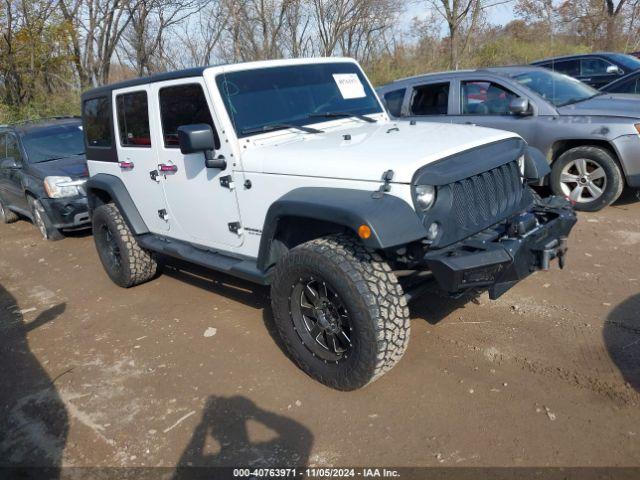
[(42, 175), (289, 173), (594, 69), (591, 139)]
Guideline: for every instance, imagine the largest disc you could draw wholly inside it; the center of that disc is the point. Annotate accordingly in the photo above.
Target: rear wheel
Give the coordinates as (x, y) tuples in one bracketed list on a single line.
[(43, 222), (340, 311), (124, 260), (588, 176), (6, 215)]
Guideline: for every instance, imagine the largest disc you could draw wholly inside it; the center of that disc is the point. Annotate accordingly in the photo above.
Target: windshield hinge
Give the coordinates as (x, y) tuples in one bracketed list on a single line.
[(227, 182), (385, 187)]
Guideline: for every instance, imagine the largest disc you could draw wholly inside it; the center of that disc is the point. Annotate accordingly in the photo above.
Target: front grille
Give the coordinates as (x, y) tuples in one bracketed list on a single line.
[(484, 199)]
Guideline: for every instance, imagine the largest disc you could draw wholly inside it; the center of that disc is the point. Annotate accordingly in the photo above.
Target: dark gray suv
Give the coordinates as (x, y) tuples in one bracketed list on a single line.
[(591, 139)]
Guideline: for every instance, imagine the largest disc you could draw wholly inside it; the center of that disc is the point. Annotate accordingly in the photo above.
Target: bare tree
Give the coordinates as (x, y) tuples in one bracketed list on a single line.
[(144, 41), (97, 27), (197, 41)]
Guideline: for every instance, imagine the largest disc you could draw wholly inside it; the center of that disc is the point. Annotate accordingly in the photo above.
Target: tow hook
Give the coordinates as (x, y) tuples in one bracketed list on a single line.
[(555, 249)]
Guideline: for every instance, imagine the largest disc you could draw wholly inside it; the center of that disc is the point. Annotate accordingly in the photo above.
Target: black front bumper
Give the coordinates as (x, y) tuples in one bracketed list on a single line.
[(500, 257), (67, 213)]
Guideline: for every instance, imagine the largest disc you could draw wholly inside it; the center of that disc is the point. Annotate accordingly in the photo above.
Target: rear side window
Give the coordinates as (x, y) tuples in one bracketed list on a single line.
[(393, 101), (13, 149), (568, 67), (430, 99), (133, 119), (183, 105), (97, 118)]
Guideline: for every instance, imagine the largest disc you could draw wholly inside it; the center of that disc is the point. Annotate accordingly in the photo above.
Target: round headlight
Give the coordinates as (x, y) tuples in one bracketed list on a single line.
[(425, 196)]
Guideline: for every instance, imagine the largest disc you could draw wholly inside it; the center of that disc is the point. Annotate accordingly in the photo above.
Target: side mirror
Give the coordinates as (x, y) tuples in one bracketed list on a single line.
[(614, 70), (199, 138), (10, 163), (519, 106)]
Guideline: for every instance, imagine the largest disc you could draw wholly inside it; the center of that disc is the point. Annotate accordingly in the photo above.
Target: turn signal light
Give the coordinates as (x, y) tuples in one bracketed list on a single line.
[(364, 232), (637, 125)]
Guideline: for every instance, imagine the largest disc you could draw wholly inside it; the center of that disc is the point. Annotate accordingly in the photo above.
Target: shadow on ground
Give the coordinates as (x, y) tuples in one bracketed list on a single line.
[(622, 338), (33, 419), (235, 432)]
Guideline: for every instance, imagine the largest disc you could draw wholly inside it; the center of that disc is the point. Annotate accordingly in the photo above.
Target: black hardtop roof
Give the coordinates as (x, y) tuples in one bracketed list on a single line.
[(576, 55), (157, 77), (26, 126)]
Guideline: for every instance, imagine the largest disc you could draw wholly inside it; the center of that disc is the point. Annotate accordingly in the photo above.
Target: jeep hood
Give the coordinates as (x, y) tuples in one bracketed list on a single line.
[(606, 105), (358, 151)]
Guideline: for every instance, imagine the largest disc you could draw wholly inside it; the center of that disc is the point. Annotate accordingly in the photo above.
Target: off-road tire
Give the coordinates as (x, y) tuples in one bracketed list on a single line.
[(6, 215), (370, 292), (42, 221), (604, 158), (134, 265)]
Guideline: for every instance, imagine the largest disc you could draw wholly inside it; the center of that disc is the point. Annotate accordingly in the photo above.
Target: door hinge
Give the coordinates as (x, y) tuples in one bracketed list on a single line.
[(227, 182), (154, 175), (162, 213), (235, 227)]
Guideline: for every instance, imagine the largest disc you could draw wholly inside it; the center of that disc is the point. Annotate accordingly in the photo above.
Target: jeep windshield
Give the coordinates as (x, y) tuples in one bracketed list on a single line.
[(53, 143), (295, 95), (556, 88)]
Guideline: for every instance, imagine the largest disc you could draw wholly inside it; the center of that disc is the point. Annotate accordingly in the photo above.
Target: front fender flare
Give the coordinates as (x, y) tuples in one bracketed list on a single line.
[(120, 196), (393, 221)]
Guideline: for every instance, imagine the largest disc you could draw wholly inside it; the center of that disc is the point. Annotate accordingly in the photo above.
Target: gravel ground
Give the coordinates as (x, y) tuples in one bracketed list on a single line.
[(184, 370)]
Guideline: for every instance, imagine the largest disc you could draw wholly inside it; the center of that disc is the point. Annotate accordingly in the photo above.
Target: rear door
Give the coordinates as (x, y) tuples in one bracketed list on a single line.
[(201, 202), (137, 131), (430, 102)]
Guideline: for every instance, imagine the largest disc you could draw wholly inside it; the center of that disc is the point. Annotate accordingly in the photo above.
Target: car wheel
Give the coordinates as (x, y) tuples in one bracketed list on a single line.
[(340, 311), (588, 176), (6, 215), (43, 222), (124, 260)]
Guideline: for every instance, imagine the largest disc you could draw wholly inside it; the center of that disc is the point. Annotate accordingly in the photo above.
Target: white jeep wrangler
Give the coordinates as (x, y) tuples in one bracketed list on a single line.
[(289, 173)]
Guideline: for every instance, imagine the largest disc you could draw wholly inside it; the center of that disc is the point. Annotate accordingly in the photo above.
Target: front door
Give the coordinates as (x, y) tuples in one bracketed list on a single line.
[(135, 124), (201, 203), (486, 103)]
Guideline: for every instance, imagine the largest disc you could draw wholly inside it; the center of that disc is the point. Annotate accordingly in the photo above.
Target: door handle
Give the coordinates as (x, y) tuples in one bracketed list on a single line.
[(165, 168), (126, 165)]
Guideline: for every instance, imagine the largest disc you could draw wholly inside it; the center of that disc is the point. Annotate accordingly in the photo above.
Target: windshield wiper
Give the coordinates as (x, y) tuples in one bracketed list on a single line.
[(343, 114), (278, 126), (60, 158), (578, 100)]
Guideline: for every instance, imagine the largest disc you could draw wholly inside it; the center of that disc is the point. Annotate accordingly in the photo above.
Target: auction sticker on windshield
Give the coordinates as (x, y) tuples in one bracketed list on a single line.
[(350, 85)]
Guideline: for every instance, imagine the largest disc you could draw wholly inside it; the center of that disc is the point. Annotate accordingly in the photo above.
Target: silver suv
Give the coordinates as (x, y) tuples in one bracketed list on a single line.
[(590, 138)]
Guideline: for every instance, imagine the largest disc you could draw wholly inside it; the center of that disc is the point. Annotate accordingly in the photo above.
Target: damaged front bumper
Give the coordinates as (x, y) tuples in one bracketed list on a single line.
[(498, 258)]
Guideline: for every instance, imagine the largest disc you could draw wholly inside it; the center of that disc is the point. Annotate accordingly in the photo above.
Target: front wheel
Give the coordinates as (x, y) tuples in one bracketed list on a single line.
[(588, 176), (43, 222), (340, 311)]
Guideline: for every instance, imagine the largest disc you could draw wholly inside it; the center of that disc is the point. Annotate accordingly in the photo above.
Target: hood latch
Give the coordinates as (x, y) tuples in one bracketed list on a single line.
[(385, 187)]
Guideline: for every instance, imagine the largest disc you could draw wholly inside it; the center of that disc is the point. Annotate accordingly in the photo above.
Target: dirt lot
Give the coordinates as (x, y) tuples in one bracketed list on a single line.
[(184, 370)]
